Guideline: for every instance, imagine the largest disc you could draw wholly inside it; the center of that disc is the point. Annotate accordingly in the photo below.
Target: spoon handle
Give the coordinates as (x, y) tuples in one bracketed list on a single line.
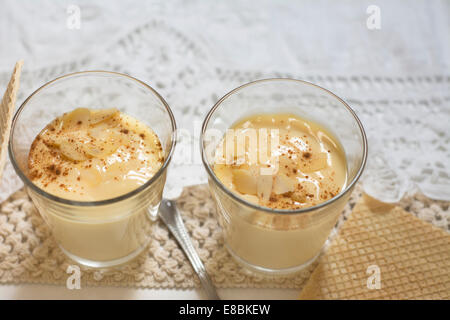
[(172, 218)]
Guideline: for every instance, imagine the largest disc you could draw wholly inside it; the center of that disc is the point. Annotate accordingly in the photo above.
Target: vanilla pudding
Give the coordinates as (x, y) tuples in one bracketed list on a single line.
[(308, 164), (306, 167), (94, 155), (95, 174)]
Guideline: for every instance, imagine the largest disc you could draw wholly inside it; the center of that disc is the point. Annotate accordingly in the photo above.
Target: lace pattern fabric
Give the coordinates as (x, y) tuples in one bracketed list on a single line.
[(406, 118)]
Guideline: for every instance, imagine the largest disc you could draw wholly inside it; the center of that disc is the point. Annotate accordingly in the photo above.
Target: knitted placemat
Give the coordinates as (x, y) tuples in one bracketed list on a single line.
[(29, 254), (383, 252)]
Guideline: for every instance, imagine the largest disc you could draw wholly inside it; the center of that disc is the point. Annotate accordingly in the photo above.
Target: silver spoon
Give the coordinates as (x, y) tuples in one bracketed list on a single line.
[(171, 217)]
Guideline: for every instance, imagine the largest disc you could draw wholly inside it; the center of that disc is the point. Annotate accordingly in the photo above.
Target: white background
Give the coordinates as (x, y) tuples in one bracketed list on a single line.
[(286, 35)]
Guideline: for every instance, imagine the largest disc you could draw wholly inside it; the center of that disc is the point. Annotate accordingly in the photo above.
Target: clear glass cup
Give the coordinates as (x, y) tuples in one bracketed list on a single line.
[(97, 233), (269, 241)]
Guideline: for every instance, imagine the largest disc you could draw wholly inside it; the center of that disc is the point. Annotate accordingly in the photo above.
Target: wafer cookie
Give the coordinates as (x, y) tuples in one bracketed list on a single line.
[(383, 252), (6, 112)]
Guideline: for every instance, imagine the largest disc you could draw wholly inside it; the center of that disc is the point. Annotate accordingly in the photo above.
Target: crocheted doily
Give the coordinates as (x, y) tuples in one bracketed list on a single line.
[(28, 252)]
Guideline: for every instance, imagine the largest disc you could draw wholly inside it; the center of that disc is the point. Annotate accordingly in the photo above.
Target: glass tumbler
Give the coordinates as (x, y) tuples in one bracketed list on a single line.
[(95, 233), (271, 241)]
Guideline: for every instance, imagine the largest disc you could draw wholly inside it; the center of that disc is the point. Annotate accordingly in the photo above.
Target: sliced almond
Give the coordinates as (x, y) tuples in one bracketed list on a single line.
[(100, 115), (100, 150), (264, 187), (283, 184), (77, 117), (244, 181), (101, 132), (72, 151), (104, 142)]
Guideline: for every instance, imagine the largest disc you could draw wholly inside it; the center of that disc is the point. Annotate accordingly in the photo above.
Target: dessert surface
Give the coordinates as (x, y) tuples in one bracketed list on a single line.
[(94, 154), (281, 161)]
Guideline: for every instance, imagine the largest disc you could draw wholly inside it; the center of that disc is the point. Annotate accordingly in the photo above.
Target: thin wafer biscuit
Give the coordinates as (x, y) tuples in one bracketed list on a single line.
[(6, 112), (413, 258)]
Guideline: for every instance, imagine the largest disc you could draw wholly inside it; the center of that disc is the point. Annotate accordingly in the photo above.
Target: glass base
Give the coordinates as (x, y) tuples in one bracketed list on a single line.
[(105, 264), (270, 272)]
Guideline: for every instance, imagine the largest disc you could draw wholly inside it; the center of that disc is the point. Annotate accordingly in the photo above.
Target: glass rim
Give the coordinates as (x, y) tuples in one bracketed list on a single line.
[(125, 196), (241, 200)]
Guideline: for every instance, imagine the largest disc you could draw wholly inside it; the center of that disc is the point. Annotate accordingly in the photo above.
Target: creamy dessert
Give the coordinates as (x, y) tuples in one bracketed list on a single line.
[(307, 162), (301, 166), (91, 155)]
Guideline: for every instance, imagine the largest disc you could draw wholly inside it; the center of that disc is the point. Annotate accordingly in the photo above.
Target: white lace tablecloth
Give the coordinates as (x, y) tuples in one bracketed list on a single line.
[(397, 78)]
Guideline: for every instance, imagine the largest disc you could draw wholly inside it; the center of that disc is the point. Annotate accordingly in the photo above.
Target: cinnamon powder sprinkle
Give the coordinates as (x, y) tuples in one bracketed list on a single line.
[(57, 157), (307, 155)]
